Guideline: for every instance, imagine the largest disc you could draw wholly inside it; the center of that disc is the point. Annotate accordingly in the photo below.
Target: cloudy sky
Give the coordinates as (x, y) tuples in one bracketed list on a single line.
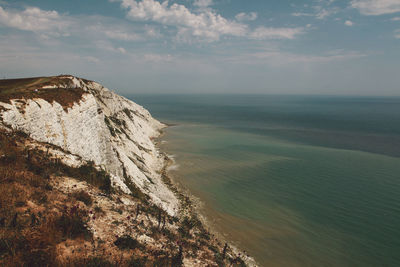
[(330, 47)]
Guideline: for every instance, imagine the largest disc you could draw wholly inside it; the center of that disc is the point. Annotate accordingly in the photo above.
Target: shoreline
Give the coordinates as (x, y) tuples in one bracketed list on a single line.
[(169, 124), (191, 205)]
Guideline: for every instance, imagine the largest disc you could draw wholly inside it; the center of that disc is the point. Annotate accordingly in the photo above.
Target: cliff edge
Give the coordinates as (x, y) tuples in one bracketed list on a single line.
[(83, 184), (89, 121)]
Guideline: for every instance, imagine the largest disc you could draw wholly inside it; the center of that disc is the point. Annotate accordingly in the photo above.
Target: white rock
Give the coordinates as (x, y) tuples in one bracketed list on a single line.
[(110, 130)]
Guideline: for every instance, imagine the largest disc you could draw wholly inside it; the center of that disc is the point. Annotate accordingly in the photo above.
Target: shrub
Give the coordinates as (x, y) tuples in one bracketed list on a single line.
[(219, 259), (163, 261), (127, 242), (204, 235), (5, 247), (88, 173), (99, 210), (39, 197), (10, 157), (187, 224), (92, 262), (137, 262), (98, 178), (34, 246), (73, 222), (7, 174), (177, 259), (84, 197), (168, 234), (239, 262)]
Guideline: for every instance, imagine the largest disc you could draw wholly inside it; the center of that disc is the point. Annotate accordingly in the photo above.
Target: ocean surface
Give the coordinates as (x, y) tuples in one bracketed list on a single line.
[(293, 180)]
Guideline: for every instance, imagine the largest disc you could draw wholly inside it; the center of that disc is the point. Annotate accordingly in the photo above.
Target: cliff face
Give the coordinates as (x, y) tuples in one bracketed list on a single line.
[(82, 183), (89, 123)]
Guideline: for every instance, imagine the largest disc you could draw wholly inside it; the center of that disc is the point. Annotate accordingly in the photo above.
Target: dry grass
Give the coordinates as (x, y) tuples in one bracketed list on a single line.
[(26, 89), (26, 237), (30, 227), (42, 225), (84, 197)]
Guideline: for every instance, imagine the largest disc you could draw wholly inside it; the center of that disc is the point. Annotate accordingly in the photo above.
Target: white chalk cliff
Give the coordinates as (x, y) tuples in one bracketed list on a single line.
[(103, 127)]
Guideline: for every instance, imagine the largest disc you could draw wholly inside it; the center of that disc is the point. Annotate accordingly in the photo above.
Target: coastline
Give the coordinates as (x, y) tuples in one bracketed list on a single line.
[(106, 151), (192, 206)]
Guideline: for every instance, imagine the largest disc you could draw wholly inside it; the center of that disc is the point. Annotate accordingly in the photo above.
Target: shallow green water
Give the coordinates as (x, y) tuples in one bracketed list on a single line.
[(296, 181)]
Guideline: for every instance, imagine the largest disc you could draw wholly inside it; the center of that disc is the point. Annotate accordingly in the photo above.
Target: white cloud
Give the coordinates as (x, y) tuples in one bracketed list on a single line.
[(262, 33), (107, 46), (95, 38), (157, 57), (376, 7), (152, 32), (321, 10), (348, 23), (302, 14), (33, 19), (122, 50), (322, 13), (48, 26), (121, 35), (246, 16), (104, 28), (277, 57), (203, 3), (206, 24)]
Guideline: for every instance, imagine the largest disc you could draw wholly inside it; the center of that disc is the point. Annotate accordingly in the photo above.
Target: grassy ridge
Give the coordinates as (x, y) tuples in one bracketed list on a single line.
[(30, 88)]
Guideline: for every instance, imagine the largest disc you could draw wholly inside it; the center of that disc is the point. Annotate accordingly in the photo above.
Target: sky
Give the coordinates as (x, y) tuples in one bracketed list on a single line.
[(331, 47)]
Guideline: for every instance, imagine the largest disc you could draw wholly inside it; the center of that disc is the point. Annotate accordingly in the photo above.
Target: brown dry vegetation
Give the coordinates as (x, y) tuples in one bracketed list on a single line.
[(51, 215), (26, 89), (32, 223)]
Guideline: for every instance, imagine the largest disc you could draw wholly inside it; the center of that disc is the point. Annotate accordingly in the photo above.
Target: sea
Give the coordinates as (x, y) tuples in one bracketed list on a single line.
[(291, 180)]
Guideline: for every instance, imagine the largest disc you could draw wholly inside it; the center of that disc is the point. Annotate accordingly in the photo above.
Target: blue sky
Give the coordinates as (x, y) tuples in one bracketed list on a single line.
[(333, 47)]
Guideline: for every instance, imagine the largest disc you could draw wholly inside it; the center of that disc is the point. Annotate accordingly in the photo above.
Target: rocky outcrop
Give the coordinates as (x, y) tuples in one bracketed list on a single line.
[(99, 126)]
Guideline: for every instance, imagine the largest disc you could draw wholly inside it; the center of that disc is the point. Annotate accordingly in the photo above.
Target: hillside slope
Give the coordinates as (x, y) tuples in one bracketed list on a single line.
[(83, 184), (87, 120)]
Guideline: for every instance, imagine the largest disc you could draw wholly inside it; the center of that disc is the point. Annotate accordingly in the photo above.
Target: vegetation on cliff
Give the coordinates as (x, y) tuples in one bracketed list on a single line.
[(55, 215), (58, 214)]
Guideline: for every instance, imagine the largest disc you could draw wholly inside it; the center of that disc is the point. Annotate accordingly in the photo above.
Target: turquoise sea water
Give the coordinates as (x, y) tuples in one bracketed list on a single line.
[(294, 180)]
